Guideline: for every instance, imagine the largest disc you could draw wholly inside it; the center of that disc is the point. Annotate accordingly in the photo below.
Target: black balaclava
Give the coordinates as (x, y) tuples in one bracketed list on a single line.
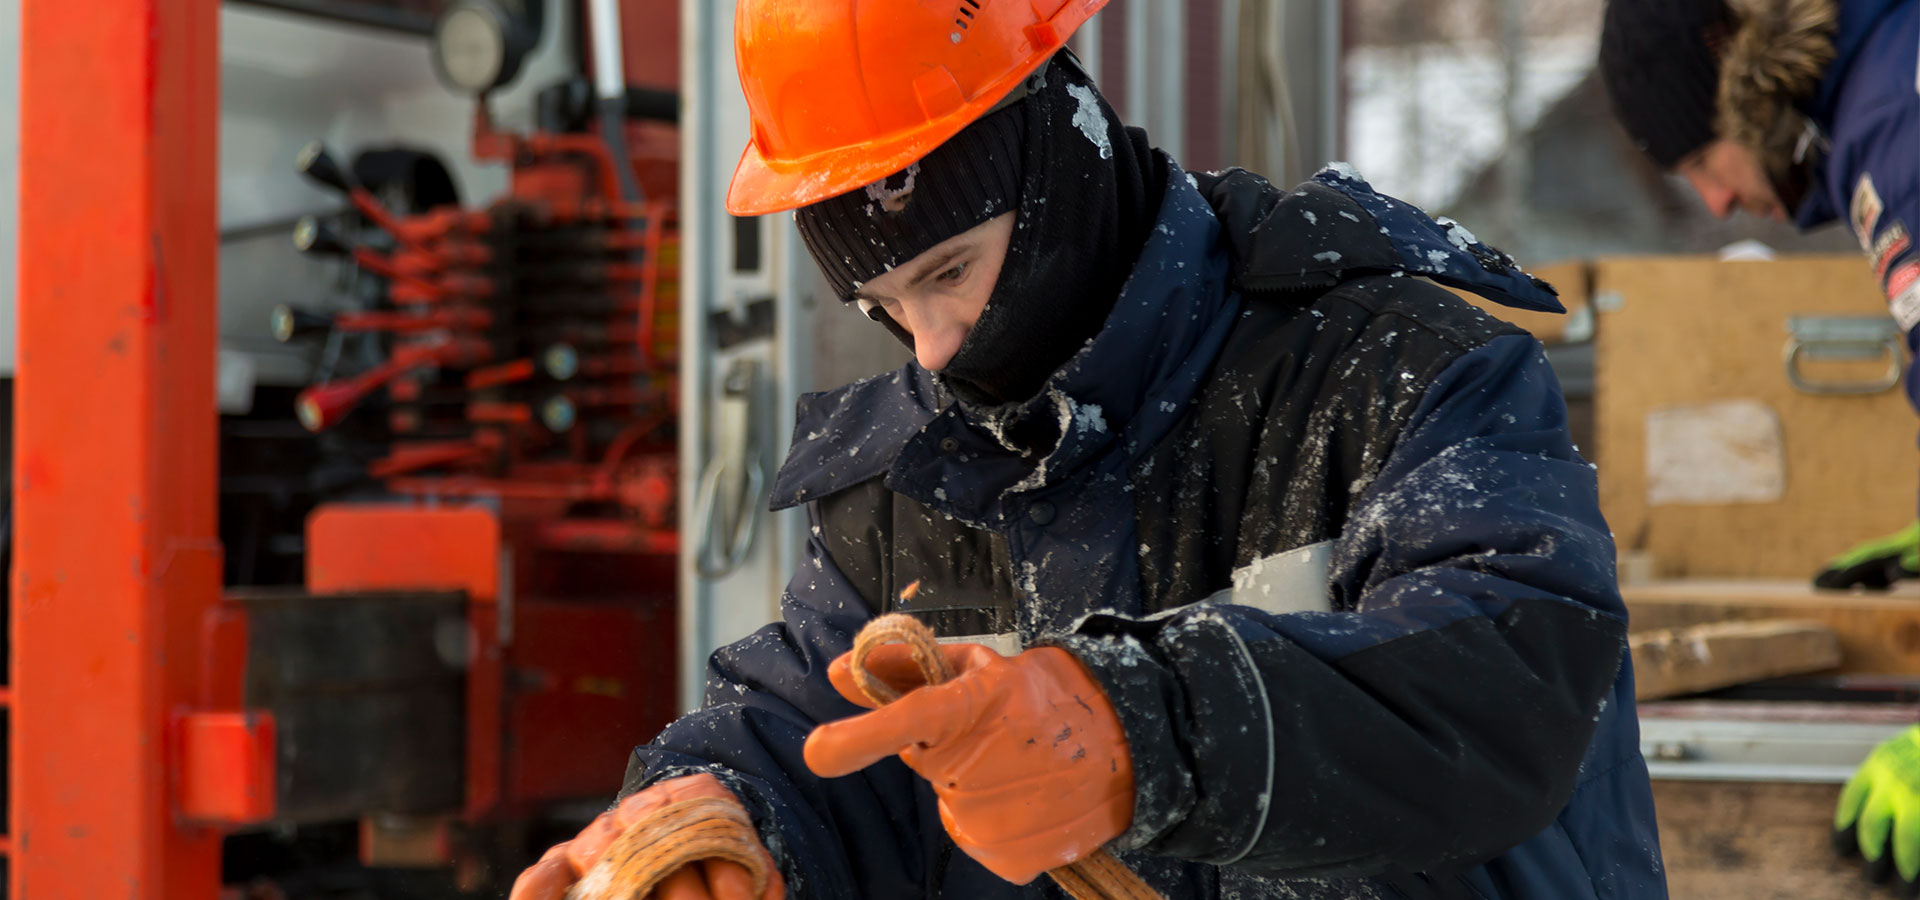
[(1089, 190), (863, 234), (1660, 60)]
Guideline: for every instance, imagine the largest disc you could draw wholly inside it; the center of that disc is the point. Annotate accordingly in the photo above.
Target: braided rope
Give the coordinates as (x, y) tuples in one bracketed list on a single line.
[(1097, 877)]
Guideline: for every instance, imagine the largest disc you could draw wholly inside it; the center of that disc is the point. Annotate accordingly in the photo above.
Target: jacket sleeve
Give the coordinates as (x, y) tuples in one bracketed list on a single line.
[(764, 695), (1874, 169), (1439, 716)]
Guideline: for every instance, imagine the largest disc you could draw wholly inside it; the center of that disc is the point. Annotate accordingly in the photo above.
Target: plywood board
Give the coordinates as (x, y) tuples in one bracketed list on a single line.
[(1878, 633), (1744, 840), (1569, 278), (1677, 333), (1674, 661)]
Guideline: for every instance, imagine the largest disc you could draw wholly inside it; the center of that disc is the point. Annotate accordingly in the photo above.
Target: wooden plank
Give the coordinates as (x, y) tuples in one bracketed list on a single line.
[(1571, 279), (1674, 661), (1740, 840), (1878, 633), (1676, 334)]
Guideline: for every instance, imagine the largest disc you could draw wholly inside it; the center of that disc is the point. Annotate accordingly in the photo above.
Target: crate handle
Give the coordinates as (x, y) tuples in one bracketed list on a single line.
[(1851, 338)]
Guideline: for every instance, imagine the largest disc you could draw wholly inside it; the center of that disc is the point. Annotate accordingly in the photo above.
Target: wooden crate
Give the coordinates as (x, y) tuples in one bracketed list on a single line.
[(1754, 840), (1689, 344)]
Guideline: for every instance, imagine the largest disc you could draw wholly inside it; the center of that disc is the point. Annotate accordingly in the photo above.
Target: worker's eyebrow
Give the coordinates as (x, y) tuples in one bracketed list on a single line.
[(938, 264), (942, 258)]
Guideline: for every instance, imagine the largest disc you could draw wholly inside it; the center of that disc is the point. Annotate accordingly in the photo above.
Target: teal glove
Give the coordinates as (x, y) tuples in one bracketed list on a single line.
[(1879, 812), (1875, 564)]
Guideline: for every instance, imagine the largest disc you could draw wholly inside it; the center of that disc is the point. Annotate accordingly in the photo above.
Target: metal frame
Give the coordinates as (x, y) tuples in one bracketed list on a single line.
[(115, 470), (721, 604), (1166, 96), (1707, 740), (356, 13)]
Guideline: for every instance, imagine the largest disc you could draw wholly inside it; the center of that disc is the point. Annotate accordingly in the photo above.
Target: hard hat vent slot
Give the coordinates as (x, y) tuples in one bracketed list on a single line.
[(965, 21)]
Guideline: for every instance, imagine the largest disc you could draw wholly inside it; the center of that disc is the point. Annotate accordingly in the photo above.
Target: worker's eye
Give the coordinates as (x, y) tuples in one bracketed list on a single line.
[(953, 274)]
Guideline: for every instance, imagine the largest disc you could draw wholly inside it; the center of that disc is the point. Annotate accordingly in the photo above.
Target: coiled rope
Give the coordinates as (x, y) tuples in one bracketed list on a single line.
[(1097, 877), (673, 837)]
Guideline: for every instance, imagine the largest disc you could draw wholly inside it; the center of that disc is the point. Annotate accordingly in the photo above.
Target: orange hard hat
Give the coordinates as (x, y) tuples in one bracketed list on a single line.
[(844, 93)]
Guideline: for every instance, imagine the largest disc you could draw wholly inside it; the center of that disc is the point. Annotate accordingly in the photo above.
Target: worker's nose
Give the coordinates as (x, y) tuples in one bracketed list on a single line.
[(936, 337), (938, 347), (1720, 201)]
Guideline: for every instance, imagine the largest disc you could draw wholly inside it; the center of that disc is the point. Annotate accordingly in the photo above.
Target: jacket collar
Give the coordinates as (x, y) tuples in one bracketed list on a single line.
[(1856, 22)]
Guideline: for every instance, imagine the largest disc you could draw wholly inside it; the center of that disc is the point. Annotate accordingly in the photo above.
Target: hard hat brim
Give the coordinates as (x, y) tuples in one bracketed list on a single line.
[(762, 185), (759, 188)]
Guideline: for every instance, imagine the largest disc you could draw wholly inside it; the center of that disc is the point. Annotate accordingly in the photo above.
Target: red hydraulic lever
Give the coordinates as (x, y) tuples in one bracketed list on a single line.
[(323, 406)]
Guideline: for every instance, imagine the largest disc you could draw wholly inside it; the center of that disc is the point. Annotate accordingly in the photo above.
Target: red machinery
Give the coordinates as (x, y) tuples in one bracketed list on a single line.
[(530, 369), (481, 646)]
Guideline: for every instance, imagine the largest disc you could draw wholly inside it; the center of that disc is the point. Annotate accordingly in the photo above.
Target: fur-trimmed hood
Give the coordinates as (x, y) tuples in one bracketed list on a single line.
[(1770, 71)]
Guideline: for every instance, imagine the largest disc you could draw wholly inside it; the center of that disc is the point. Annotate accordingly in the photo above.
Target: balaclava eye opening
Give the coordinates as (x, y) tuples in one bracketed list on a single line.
[(1087, 191), (863, 234)]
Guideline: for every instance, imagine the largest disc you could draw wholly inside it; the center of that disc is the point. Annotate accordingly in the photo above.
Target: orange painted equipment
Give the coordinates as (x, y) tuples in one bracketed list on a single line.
[(530, 430), (386, 547), (714, 879), (227, 767), (1025, 752), (115, 479), (136, 739), (845, 93)]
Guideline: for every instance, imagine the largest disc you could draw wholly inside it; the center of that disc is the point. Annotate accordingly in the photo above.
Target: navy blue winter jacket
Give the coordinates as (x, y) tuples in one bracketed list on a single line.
[(1314, 524), (1869, 106)]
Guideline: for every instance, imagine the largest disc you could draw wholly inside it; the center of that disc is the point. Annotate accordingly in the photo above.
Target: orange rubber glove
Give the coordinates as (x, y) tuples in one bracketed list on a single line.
[(713, 879), (1025, 752)]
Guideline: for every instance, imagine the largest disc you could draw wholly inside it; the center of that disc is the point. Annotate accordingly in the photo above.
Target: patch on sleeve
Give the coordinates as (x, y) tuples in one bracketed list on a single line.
[(1903, 289), (1887, 249), (1866, 211)]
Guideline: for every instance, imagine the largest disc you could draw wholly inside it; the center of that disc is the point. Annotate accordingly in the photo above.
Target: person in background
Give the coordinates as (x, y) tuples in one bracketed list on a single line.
[(1809, 111), (1792, 110)]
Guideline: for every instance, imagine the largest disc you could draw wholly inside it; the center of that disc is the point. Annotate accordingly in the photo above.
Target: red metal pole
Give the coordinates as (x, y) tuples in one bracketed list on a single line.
[(117, 556)]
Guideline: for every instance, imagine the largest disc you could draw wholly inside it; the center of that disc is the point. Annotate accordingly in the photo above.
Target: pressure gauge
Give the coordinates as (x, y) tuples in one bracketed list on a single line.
[(478, 45)]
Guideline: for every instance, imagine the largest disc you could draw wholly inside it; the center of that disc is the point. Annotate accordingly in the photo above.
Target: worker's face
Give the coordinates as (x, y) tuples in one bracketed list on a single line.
[(1728, 176), (938, 295)]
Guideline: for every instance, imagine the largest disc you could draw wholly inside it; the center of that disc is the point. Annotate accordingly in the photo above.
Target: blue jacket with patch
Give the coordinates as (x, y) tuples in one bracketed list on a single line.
[(1315, 525), (1869, 106)]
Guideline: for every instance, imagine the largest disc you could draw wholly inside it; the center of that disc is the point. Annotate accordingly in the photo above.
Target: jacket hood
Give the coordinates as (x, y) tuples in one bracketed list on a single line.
[(1788, 59), (1770, 71), (1336, 228)]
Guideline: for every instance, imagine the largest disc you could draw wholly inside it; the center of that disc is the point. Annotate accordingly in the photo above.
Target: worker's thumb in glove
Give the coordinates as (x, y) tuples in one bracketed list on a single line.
[(564, 864), (1879, 810), (1874, 564), (932, 716), (1026, 754)]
